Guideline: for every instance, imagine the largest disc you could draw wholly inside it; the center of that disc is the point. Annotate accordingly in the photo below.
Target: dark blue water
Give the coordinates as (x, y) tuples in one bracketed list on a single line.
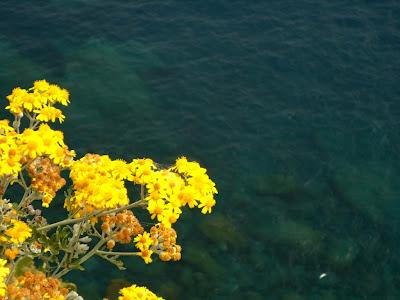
[(293, 106)]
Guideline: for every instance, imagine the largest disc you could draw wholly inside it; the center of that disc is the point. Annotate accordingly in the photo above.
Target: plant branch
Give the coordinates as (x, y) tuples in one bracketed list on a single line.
[(94, 214), (100, 252)]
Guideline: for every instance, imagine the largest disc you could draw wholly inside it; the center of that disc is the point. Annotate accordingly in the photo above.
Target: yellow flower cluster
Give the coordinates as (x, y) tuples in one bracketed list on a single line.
[(4, 271), (45, 142), (98, 184), (202, 187), (17, 233), (143, 242), (161, 240), (167, 190), (142, 170), (98, 181), (10, 155), (39, 100), (135, 292), (17, 149)]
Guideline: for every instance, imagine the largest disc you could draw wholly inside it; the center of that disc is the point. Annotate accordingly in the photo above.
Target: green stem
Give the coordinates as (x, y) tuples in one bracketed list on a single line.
[(100, 252), (94, 214), (84, 258), (23, 182)]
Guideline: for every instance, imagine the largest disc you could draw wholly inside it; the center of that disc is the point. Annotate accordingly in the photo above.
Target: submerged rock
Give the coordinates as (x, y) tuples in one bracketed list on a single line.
[(370, 190), (203, 261), (342, 253), (294, 234), (291, 296), (283, 186), (170, 290), (220, 229), (13, 65), (253, 296)]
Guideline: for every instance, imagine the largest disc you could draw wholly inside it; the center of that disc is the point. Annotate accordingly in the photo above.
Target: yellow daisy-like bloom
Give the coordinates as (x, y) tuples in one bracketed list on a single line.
[(57, 94), (199, 186), (19, 232), (45, 141), (142, 170), (5, 127), (10, 154), (41, 86), (155, 208), (50, 93), (39, 99), (170, 215), (186, 183), (143, 241), (206, 204), (49, 113), (4, 271), (135, 292), (182, 165), (17, 99), (98, 184), (187, 196), (146, 255)]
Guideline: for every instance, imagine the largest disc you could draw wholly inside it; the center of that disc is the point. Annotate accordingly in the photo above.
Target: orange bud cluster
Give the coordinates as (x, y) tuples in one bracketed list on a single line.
[(36, 286), (125, 226), (164, 242), (46, 178)]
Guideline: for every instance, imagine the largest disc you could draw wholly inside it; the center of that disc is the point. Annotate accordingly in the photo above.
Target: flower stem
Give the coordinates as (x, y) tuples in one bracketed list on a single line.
[(94, 214), (100, 252)]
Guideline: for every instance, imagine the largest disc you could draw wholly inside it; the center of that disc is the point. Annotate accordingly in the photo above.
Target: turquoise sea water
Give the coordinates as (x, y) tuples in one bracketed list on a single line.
[(293, 107)]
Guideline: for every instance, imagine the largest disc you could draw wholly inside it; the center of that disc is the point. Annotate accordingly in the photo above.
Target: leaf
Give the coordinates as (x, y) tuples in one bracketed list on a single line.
[(118, 263), (77, 266)]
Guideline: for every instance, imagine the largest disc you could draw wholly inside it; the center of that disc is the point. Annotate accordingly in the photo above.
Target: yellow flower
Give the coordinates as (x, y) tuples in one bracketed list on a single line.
[(187, 196), (182, 165), (4, 271), (41, 86), (19, 232), (39, 99), (49, 113), (206, 204), (57, 94), (98, 184), (199, 186), (202, 183), (142, 170), (10, 154), (5, 127), (170, 215), (143, 241), (155, 208), (45, 141), (32, 144), (135, 292), (146, 255), (16, 100)]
